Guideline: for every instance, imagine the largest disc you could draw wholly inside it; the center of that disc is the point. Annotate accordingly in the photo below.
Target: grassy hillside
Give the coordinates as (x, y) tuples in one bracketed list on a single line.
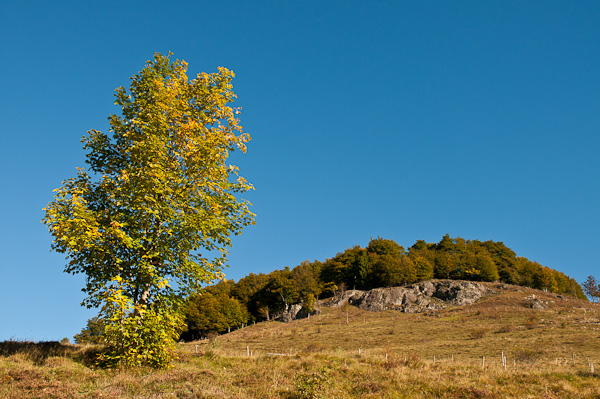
[(435, 355), (383, 263)]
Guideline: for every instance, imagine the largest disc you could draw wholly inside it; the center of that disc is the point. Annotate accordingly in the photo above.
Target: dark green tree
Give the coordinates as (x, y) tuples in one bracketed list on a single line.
[(92, 333)]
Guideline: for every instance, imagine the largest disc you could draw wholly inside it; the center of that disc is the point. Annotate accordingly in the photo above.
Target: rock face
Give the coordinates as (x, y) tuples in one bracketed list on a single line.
[(415, 298), (295, 312)]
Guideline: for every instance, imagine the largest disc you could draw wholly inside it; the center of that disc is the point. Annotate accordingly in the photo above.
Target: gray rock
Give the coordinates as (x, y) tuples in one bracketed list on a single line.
[(294, 312), (416, 298), (538, 304)]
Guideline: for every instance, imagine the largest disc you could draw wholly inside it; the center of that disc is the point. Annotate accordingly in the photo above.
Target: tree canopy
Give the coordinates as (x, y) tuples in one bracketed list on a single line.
[(158, 190)]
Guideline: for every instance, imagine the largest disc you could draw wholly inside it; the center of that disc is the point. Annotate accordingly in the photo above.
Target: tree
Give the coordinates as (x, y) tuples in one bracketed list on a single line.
[(281, 291), (92, 333), (361, 270), (382, 246), (212, 313), (591, 287), (306, 281), (423, 268), (159, 190), (487, 270), (246, 289), (343, 267)]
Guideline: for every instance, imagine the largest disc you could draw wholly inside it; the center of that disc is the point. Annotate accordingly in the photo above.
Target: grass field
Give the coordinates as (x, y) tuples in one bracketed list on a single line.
[(496, 348)]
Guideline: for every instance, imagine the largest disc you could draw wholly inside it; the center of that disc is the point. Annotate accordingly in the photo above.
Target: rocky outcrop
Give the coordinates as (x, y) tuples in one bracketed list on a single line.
[(295, 312), (536, 303), (415, 298)]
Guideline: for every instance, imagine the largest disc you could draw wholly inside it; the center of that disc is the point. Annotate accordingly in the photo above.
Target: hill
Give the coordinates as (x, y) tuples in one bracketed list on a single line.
[(517, 343), (383, 263)]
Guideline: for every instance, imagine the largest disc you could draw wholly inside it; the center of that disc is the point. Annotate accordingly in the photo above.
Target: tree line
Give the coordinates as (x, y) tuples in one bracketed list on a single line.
[(383, 263)]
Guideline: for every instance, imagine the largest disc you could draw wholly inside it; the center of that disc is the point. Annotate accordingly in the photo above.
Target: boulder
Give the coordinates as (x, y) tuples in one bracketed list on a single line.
[(295, 312), (538, 304)]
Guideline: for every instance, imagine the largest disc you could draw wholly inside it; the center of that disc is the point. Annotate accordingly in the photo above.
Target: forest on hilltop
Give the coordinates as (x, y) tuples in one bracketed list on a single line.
[(383, 263)]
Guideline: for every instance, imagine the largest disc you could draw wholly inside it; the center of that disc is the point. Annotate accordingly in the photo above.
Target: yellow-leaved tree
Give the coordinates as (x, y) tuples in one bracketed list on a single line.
[(158, 189)]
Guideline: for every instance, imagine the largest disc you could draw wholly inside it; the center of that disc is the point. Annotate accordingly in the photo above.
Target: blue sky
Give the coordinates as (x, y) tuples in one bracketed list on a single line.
[(405, 120)]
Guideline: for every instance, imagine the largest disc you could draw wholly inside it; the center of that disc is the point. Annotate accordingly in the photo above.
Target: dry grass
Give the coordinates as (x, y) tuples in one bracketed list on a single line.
[(436, 355)]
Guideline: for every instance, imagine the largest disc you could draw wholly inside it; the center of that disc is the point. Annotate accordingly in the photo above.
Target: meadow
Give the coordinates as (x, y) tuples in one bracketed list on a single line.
[(498, 347)]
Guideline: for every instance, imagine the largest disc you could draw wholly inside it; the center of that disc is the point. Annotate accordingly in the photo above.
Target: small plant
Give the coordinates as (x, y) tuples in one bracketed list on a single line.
[(412, 360), (479, 333), (211, 336), (65, 341), (312, 385), (526, 355), (506, 328), (315, 347), (532, 322), (392, 361)]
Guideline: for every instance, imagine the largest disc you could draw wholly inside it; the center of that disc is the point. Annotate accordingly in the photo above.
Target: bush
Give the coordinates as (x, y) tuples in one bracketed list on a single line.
[(526, 355), (92, 333), (312, 385), (532, 322), (479, 333), (137, 336), (506, 328)]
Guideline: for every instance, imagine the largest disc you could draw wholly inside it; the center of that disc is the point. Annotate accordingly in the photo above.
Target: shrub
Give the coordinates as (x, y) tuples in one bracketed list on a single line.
[(530, 326), (506, 328), (315, 347), (526, 355), (412, 360), (138, 335), (479, 333), (312, 385), (532, 322)]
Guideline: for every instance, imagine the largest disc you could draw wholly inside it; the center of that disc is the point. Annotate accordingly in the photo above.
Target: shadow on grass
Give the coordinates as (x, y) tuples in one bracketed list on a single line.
[(38, 352)]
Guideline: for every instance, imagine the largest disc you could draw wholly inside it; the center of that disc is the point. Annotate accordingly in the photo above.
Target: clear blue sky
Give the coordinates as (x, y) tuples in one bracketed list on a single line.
[(405, 120)]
